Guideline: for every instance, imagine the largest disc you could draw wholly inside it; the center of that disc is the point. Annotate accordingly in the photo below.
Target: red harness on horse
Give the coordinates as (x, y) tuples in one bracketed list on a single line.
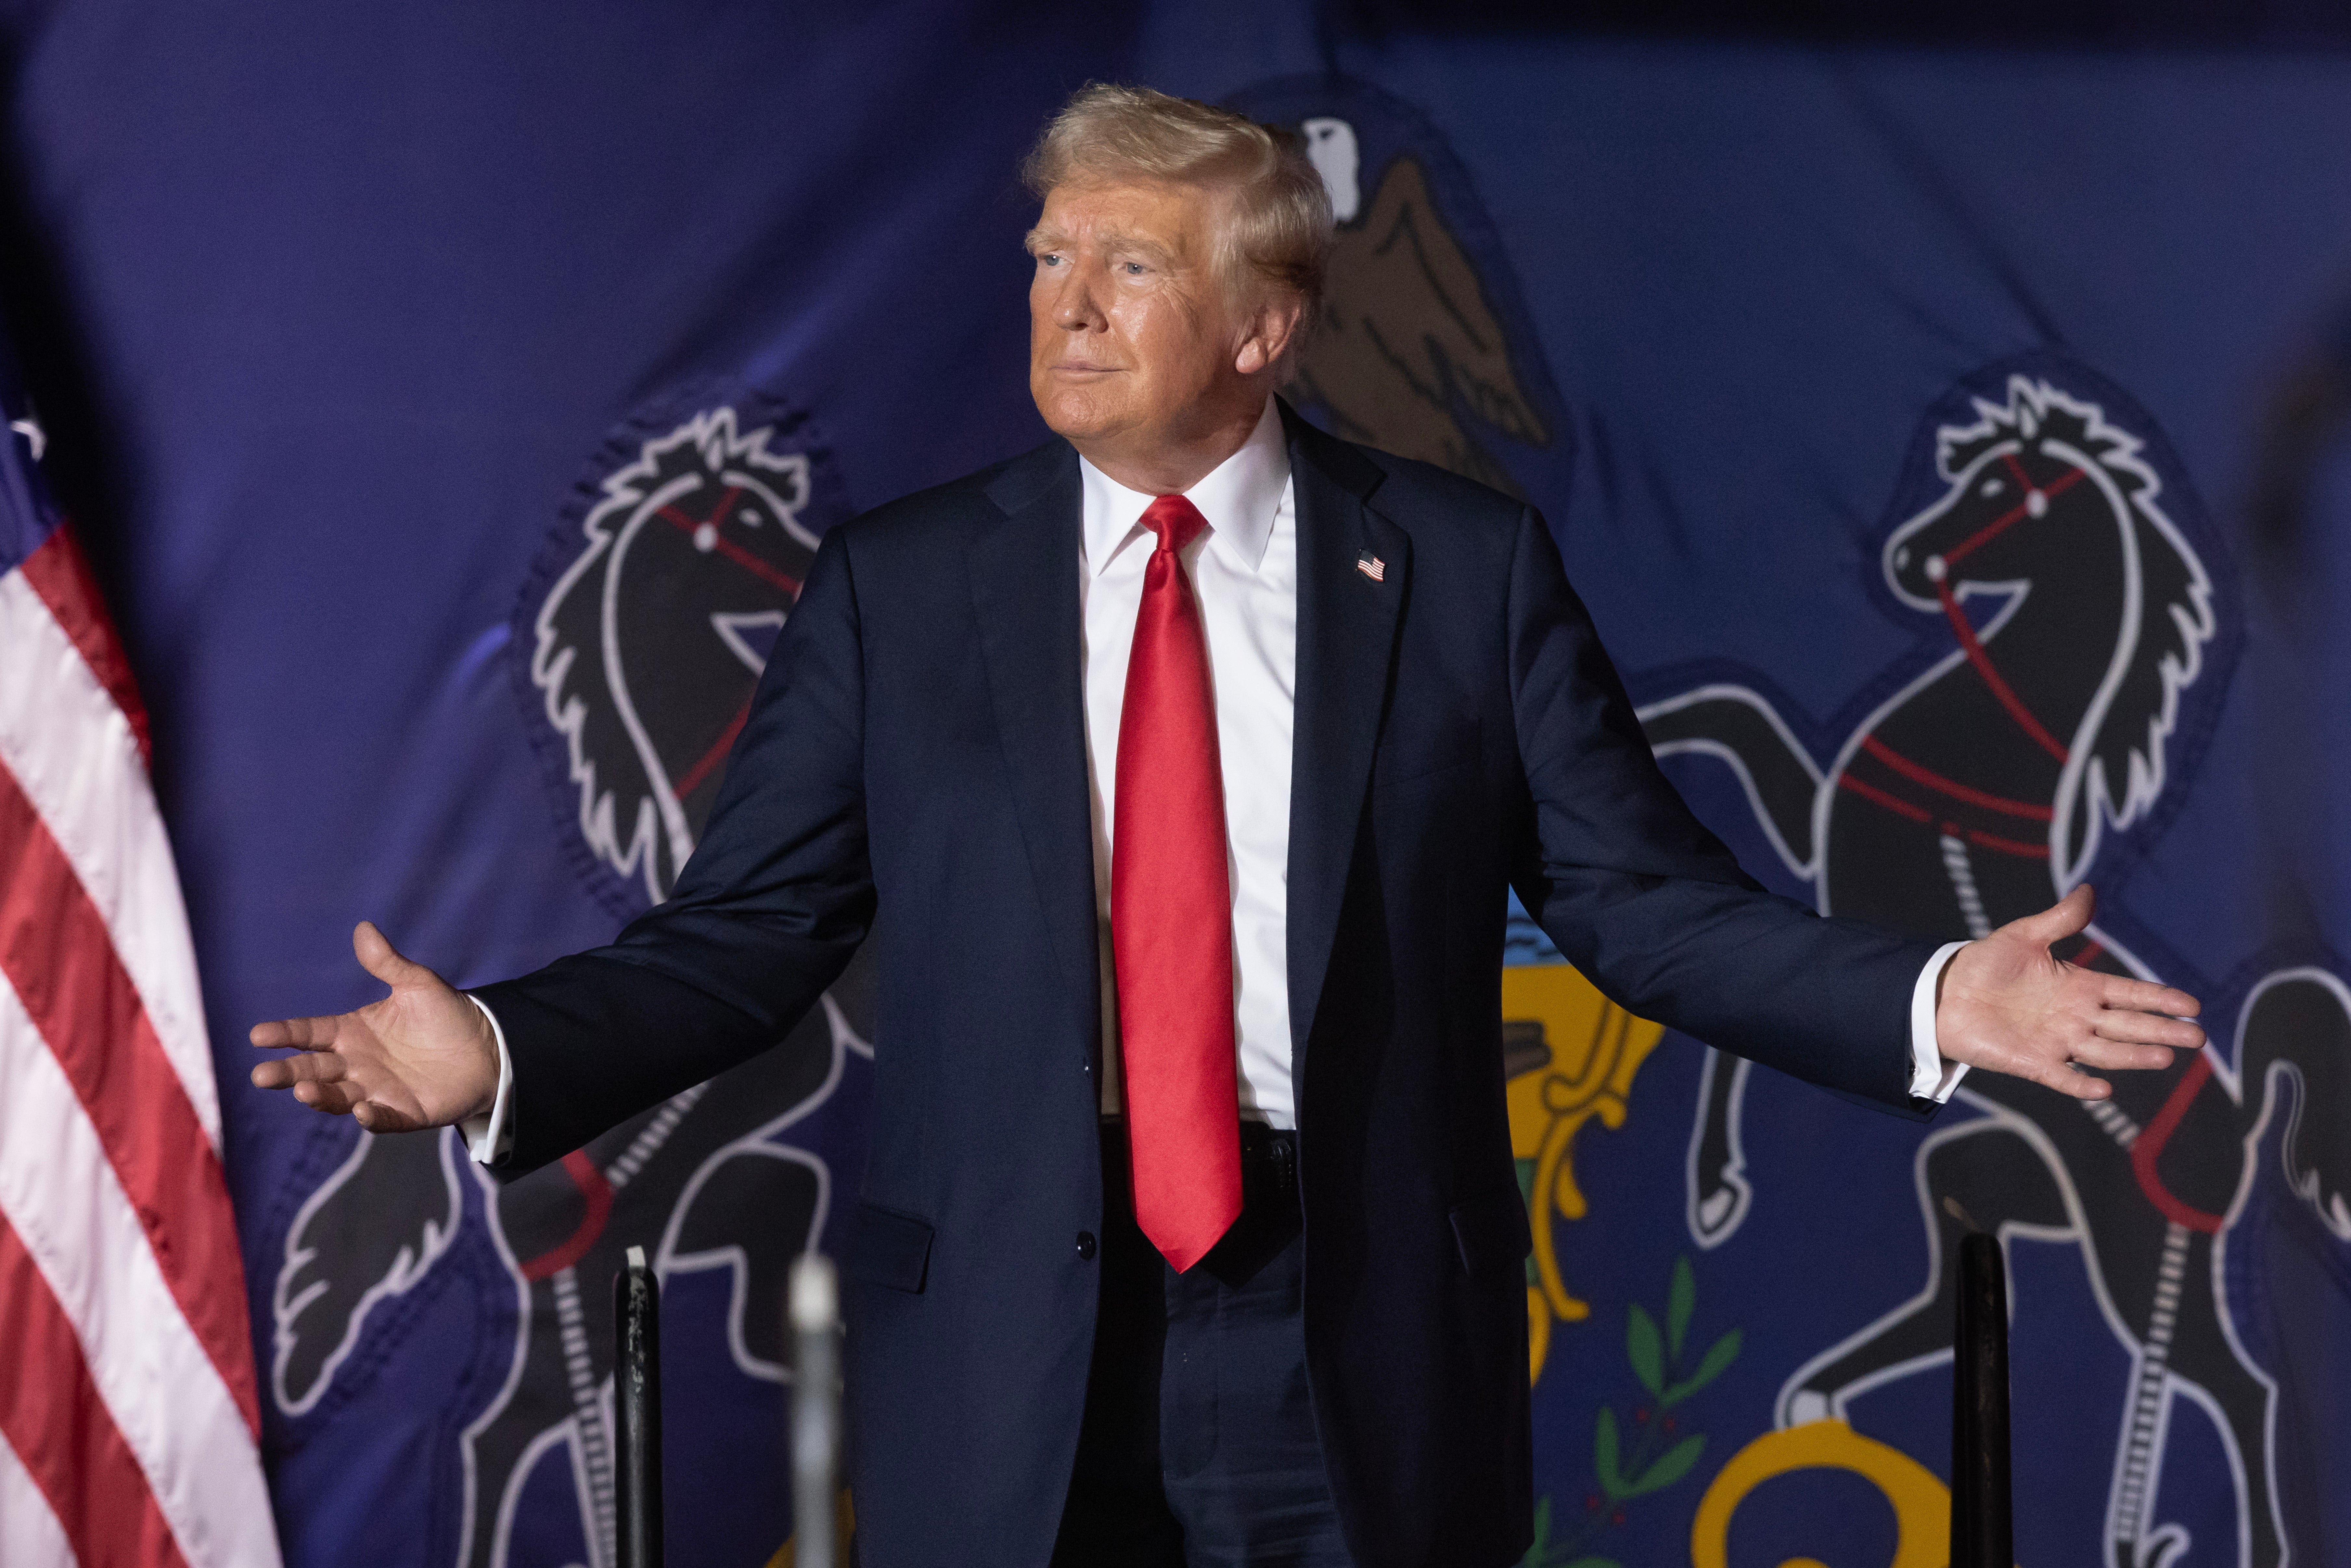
[(1889, 788)]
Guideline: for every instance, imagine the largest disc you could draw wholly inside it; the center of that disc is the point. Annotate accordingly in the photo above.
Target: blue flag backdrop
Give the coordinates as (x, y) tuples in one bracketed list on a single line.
[(1950, 443)]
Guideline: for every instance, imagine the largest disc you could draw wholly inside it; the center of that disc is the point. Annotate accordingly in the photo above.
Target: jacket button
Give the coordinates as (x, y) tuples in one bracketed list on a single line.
[(1086, 1245)]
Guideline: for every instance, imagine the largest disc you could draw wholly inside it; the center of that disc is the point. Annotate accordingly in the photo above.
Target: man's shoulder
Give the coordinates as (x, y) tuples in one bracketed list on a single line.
[(1412, 490), (943, 513), (1437, 507)]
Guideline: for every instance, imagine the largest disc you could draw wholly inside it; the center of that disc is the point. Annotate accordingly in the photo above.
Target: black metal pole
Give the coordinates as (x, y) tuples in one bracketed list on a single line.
[(1982, 1528), (814, 1314), (636, 1412)]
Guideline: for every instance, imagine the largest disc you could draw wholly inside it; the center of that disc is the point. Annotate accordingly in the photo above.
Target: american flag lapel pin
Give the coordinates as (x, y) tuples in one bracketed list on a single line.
[(1372, 566)]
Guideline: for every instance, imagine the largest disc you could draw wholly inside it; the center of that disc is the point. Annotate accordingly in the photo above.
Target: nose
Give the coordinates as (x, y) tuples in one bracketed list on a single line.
[(1074, 306)]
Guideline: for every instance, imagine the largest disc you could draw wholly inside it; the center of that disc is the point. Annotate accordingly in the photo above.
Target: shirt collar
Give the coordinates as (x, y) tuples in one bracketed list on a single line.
[(1238, 497)]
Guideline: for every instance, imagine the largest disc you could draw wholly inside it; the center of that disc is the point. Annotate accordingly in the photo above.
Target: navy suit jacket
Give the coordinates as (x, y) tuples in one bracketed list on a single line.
[(912, 775)]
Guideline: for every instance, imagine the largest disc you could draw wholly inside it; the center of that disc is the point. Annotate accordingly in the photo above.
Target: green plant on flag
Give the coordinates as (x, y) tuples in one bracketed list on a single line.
[(1658, 1452)]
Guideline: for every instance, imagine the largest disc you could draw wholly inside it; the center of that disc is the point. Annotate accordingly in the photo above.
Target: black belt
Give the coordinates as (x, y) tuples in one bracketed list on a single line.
[(1268, 1163)]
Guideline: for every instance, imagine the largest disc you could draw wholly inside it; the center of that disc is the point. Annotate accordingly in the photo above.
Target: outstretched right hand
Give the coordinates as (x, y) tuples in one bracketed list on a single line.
[(422, 1057)]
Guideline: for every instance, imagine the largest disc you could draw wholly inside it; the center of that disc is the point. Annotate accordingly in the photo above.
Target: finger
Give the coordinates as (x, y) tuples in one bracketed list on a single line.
[(2146, 996), (2065, 1079), (379, 957), (2148, 1029), (2064, 918), (324, 1066), (297, 1034), (381, 1118), (334, 1099), (2122, 1056), (2044, 1058)]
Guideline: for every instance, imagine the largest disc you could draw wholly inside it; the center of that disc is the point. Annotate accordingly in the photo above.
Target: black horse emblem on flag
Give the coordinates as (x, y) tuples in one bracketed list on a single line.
[(650, 643), (1976, 794), (648, 623)]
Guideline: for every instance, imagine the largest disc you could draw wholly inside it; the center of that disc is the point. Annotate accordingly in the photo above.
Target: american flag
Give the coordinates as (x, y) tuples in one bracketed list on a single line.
[(128, 1419)]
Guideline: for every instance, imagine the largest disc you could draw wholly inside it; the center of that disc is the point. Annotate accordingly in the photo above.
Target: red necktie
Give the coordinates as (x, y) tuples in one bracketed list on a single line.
[(1171, 916)]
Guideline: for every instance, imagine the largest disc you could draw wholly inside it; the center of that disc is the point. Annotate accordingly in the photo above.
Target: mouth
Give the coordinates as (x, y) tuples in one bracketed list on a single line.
[(1081, 368)]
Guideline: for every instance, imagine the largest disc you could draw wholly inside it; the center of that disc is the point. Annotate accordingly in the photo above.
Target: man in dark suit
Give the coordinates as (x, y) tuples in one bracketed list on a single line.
[(1175, 772)]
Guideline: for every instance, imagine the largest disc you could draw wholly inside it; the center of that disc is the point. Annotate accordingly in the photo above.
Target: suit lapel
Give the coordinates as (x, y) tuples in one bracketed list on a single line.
[(1024, 583), (1023, 572), (1346, 644)]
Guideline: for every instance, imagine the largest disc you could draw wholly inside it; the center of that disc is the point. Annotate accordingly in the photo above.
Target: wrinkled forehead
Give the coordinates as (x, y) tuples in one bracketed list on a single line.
[(1179, 220)]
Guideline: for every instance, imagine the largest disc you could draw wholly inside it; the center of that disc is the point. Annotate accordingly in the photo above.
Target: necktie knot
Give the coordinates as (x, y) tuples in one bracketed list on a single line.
[(1174, 521)]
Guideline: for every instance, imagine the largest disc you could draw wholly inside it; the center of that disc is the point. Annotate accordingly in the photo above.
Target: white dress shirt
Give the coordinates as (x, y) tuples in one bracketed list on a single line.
[(1243, 568)]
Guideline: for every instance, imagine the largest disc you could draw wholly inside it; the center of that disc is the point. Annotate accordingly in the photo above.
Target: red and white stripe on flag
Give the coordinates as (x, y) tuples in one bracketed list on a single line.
[(129, 1420)]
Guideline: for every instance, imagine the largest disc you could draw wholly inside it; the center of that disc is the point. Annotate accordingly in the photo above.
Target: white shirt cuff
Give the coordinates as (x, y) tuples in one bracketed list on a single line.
[(489, 1137), (1931, 1077)]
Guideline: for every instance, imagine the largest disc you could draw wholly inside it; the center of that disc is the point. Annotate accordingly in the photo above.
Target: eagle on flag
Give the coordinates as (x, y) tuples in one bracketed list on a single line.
[(1407, 342)]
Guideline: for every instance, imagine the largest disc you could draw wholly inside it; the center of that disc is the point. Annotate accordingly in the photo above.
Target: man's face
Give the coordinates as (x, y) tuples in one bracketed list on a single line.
[(1130, 339)]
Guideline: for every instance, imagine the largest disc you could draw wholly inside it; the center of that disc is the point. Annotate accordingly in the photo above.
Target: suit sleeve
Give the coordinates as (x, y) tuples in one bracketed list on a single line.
[(1651, 907), (767, 913)]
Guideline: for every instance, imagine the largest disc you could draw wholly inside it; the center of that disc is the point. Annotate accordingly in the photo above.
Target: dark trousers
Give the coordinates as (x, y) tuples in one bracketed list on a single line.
[(1198, 1448)]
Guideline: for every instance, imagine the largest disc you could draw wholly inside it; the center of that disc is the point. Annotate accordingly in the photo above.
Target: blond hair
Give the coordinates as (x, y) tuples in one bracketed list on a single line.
[(1278, 220)]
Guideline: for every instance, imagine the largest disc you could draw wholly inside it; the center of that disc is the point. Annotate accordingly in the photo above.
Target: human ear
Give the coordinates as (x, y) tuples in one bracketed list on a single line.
[(1271, 329)]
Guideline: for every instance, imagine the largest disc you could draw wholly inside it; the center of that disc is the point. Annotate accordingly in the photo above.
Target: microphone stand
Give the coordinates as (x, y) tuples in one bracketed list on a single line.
[(1982, 1526), (815, 1318), (636, 1413)]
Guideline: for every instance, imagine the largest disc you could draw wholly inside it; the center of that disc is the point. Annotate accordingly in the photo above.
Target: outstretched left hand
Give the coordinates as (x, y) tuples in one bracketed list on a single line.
[(2008, 1005)]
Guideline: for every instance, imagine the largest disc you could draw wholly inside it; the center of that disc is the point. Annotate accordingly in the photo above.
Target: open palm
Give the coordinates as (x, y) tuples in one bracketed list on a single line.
[(2009, 1005), (422, 1057)]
